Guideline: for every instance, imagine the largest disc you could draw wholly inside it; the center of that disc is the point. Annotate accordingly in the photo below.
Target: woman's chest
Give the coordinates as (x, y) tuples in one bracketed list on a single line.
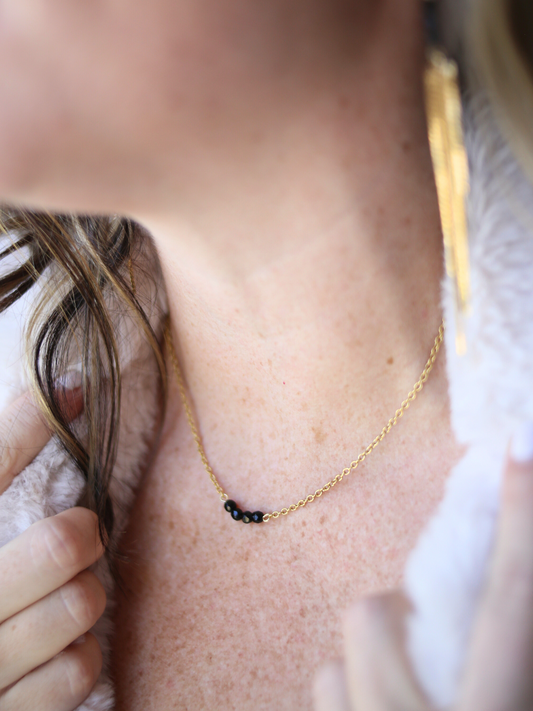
[(218, 614)]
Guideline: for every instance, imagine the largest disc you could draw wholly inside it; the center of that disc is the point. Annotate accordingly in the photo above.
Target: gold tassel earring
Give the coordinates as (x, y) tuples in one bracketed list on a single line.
[(450, 166)]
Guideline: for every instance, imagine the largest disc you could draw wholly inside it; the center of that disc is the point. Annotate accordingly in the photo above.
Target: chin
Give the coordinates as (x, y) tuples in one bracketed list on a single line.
[(46, 175)]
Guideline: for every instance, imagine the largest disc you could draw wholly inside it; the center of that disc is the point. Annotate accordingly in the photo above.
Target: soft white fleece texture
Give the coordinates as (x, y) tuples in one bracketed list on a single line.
[(491, 391)]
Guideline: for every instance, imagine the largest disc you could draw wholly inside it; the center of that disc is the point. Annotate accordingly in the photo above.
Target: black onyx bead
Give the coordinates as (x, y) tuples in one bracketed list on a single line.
[(257, 517), (230, 505), (247, 517), (236, 514)]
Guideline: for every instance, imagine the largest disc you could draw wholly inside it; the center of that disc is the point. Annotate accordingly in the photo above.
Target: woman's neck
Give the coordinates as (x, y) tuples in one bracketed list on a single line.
[(304, 287)]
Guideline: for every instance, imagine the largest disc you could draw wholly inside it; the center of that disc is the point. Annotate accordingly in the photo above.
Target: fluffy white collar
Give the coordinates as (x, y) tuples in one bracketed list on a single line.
[(491, 390)]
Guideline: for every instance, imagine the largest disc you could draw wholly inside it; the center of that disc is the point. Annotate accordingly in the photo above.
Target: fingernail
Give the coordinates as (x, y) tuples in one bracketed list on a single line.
[(80, 640), (521, 449), (70, 380)]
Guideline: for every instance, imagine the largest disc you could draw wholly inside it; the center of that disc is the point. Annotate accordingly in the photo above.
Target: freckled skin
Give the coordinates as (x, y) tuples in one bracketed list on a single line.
[(277, 152), (320, 435), (221, 615)]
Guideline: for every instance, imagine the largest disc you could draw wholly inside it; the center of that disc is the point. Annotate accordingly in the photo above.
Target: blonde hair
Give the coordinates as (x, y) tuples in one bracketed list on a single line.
[(83, 264)]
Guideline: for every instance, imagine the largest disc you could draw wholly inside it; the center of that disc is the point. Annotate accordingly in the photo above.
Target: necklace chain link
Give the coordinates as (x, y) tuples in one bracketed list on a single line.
[(417, 387)]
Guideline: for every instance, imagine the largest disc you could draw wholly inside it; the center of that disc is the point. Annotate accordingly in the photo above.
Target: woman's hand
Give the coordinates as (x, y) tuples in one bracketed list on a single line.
[(47, 597), (376, 675)]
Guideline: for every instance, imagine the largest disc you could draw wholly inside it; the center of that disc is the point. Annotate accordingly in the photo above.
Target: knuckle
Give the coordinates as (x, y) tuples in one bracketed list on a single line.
[(60, 543), (81, 673), (84, 600)]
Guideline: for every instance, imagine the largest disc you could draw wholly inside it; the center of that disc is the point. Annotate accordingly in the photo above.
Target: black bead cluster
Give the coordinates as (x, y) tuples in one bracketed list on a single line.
[(246, 517)]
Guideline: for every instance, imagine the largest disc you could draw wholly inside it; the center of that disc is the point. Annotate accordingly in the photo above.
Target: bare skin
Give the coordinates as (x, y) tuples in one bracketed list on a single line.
[(305, 298), (221, 615), (278, 154)]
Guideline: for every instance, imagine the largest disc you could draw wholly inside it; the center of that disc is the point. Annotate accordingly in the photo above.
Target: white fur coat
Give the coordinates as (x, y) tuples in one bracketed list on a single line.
[(491, 389)]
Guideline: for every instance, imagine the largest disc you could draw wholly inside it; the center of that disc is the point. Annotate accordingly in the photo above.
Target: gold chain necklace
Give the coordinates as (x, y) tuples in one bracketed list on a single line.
[(258, 516)]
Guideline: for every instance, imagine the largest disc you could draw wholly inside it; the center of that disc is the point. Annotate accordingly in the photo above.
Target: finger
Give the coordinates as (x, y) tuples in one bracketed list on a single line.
[(24, 433), (378, 672), (62, 684), (330, 692), (498, 671), (38, 633), (46, 556)]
